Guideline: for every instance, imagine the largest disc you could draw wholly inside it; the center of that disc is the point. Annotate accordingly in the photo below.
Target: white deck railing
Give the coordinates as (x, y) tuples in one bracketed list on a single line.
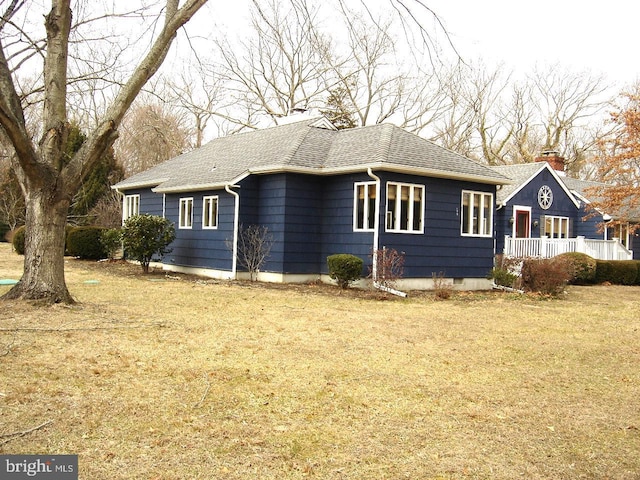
[(550, 247)]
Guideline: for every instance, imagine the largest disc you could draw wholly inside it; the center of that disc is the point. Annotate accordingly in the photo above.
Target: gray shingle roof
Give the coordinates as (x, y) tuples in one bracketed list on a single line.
[(306, 147), (519, 174)]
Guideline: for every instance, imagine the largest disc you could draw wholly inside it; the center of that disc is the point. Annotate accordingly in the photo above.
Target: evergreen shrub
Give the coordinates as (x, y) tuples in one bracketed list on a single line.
[(111, 240), (344, 268), (18, 240), (581, 267), (4, 230), (617, 272), (84, 242), (146, 236)]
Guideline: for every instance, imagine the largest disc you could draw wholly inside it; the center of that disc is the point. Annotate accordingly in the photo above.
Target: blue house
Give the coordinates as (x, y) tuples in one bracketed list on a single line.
[(543, 212), (321, 191)]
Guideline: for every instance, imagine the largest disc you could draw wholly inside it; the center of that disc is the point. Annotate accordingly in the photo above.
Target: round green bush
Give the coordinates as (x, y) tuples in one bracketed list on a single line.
[(84, 242), (344, 268), (147, 236), (18, 240), (581, 267)]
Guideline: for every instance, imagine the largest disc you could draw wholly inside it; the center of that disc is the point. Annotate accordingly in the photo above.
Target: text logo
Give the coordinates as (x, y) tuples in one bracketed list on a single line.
[(44, 467)]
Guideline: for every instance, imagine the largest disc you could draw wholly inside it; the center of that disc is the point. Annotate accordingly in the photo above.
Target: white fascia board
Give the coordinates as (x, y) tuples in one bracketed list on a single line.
[(523, 184), (131, 186), (543, 166), (564, 187), (379, 166), (383, 166)]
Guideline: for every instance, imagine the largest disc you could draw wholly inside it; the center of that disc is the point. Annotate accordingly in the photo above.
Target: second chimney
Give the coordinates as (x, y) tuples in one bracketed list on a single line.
[(553, 158)]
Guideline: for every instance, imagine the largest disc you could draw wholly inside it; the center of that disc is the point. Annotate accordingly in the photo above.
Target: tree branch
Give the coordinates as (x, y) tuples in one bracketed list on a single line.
[(14, 435)]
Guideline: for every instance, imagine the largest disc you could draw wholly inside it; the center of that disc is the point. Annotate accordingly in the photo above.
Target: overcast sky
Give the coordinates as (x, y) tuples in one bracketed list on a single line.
[(601, 36)]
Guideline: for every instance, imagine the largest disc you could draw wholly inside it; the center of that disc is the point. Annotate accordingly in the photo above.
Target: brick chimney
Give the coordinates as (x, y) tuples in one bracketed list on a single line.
[(553, 158)]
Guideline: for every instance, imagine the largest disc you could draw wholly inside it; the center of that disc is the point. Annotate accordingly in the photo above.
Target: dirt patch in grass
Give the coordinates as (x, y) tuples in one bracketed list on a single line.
[(177, 377)]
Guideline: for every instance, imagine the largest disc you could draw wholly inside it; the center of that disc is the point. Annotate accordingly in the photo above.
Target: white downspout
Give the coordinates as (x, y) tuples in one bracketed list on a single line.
[(236, 215), (376, 226), (118, 192), (376, 241)]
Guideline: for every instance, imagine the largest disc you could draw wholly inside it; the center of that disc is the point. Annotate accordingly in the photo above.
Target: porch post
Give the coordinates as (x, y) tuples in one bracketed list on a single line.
[(543, 247), (507, 250), (580, 245)]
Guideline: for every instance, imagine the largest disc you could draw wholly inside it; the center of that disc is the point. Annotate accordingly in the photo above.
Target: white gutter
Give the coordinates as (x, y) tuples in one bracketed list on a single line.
[(236, 215)]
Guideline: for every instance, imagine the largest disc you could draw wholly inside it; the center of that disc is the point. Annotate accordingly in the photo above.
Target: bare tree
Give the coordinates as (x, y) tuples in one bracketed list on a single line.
[(47, 179), (254, 247), (500, 120), (150, 134), (278, 69), (199, 95)]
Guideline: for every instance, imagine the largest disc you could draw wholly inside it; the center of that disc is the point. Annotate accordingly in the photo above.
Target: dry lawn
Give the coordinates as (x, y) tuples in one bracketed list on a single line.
[(178, 378)]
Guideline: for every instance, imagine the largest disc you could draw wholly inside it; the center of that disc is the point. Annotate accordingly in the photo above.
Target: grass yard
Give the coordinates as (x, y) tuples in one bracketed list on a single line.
[(162, 377)]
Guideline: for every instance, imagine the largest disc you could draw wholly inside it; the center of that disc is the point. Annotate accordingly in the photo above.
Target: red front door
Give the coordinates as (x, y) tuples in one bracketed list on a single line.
[(522, 224)]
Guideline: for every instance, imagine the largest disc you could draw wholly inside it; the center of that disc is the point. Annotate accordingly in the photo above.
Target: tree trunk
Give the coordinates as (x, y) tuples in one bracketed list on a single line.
[(43, 277), (48, 178)]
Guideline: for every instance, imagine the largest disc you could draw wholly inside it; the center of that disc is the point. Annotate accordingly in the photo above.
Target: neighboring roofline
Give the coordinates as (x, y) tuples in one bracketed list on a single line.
[(581, 197), (378, 166), (543, 165)]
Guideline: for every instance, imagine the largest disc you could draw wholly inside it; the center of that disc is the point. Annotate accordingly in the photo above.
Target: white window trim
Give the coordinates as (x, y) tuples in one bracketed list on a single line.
[(204, 219), (366, 212), (182, 224), (563, 221), (410, 230), (481, 217), (129, 203)]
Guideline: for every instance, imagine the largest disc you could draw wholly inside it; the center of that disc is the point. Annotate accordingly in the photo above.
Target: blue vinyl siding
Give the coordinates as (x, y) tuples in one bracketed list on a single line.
[(150, 202), (442, 248), (586, 225), (562, 206), (198, 247), (337, 234), (311, 217)]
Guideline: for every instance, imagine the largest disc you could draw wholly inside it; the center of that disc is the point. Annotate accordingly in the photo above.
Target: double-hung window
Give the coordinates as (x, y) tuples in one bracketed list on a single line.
[(131, 206), (186, 213), (364, 207), (477, 214), (405, 208), (210, 212), (555, 227)]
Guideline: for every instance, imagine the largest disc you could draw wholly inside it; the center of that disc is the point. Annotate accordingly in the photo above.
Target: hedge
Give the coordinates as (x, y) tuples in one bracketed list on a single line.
[(618, 272)]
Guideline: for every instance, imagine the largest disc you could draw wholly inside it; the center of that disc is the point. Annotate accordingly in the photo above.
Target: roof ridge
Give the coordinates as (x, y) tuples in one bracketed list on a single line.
[(386, 136), (302, 137)]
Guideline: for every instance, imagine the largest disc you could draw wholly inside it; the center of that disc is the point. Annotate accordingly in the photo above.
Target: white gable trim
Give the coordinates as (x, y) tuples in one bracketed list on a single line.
[(554, 174)]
